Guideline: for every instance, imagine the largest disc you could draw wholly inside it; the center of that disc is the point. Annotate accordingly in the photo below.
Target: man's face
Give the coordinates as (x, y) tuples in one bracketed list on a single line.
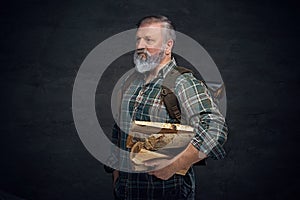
[(149, 47)]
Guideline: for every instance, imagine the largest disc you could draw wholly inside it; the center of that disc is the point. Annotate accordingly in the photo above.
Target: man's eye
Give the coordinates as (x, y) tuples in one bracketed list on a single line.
[(149, 40)]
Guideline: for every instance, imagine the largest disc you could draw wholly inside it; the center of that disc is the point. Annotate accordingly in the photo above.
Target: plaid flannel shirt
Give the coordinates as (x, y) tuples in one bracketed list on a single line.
[(143, 102)]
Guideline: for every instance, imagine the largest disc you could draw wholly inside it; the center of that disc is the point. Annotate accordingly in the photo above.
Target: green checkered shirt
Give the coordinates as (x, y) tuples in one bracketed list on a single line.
[(143, 102)]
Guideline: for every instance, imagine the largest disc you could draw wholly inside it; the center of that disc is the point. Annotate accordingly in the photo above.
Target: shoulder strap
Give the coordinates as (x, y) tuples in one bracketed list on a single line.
[(167, 93), (135, 75)]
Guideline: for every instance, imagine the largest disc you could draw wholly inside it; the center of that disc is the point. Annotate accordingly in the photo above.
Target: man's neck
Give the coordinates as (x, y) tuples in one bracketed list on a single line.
[(153, 73)]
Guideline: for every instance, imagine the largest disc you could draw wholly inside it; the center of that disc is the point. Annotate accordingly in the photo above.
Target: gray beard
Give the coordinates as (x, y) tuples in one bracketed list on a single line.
[(149, 64)]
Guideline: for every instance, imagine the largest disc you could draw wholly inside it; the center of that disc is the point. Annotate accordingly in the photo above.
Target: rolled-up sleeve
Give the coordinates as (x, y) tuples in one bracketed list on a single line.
[(199, 111)]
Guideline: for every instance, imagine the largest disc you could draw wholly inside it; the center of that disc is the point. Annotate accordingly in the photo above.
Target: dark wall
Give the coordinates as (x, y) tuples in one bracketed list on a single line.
[(255, 44)]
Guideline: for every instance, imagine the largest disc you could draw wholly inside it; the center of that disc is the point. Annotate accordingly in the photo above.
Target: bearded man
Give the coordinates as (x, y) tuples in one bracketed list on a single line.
[(141, 101)]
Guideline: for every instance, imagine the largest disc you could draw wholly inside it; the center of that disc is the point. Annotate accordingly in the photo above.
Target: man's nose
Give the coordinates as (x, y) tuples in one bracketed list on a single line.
[(141, 44)]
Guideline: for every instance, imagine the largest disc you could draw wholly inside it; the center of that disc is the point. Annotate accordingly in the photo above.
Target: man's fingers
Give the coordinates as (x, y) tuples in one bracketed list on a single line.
[(157, 162), (158, 175), (151, 173), (151, 163)]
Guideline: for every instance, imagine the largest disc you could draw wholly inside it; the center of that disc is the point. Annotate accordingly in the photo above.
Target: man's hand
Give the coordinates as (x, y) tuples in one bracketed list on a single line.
[(183, 161), (166, 172), (115, 177)]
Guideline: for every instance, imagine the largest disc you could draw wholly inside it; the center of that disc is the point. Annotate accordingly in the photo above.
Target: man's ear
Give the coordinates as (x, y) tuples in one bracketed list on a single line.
[(169, 46)]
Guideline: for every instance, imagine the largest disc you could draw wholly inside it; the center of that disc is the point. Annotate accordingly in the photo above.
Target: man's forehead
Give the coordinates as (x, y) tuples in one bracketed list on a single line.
[(149, 29)]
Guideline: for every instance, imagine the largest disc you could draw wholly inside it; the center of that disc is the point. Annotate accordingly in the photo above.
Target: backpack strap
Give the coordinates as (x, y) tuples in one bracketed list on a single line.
[(132, 77), (167, 92)]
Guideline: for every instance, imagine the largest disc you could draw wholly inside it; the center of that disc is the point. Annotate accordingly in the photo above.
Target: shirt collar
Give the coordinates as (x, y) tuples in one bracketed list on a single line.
[(167, 68)]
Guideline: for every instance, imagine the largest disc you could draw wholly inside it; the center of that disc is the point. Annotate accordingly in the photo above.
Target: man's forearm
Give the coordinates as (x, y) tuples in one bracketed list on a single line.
[(183, 161), (188, 157)]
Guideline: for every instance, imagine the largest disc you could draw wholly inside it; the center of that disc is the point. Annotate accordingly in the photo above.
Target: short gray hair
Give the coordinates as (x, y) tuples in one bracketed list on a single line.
[(165, 22)]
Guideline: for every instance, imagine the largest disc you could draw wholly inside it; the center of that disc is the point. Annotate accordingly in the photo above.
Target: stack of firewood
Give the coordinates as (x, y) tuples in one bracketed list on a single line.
[(154, 140)]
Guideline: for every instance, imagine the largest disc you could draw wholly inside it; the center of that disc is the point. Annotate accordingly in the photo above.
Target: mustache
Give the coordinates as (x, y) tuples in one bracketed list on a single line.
[(142, 51), (139, 51)]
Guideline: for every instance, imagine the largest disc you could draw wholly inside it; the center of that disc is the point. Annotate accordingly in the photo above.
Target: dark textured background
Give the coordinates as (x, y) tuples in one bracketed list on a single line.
[(43, 43)]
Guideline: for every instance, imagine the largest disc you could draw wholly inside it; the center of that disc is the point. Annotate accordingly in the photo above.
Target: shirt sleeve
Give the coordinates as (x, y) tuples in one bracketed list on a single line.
[(200, 112)]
